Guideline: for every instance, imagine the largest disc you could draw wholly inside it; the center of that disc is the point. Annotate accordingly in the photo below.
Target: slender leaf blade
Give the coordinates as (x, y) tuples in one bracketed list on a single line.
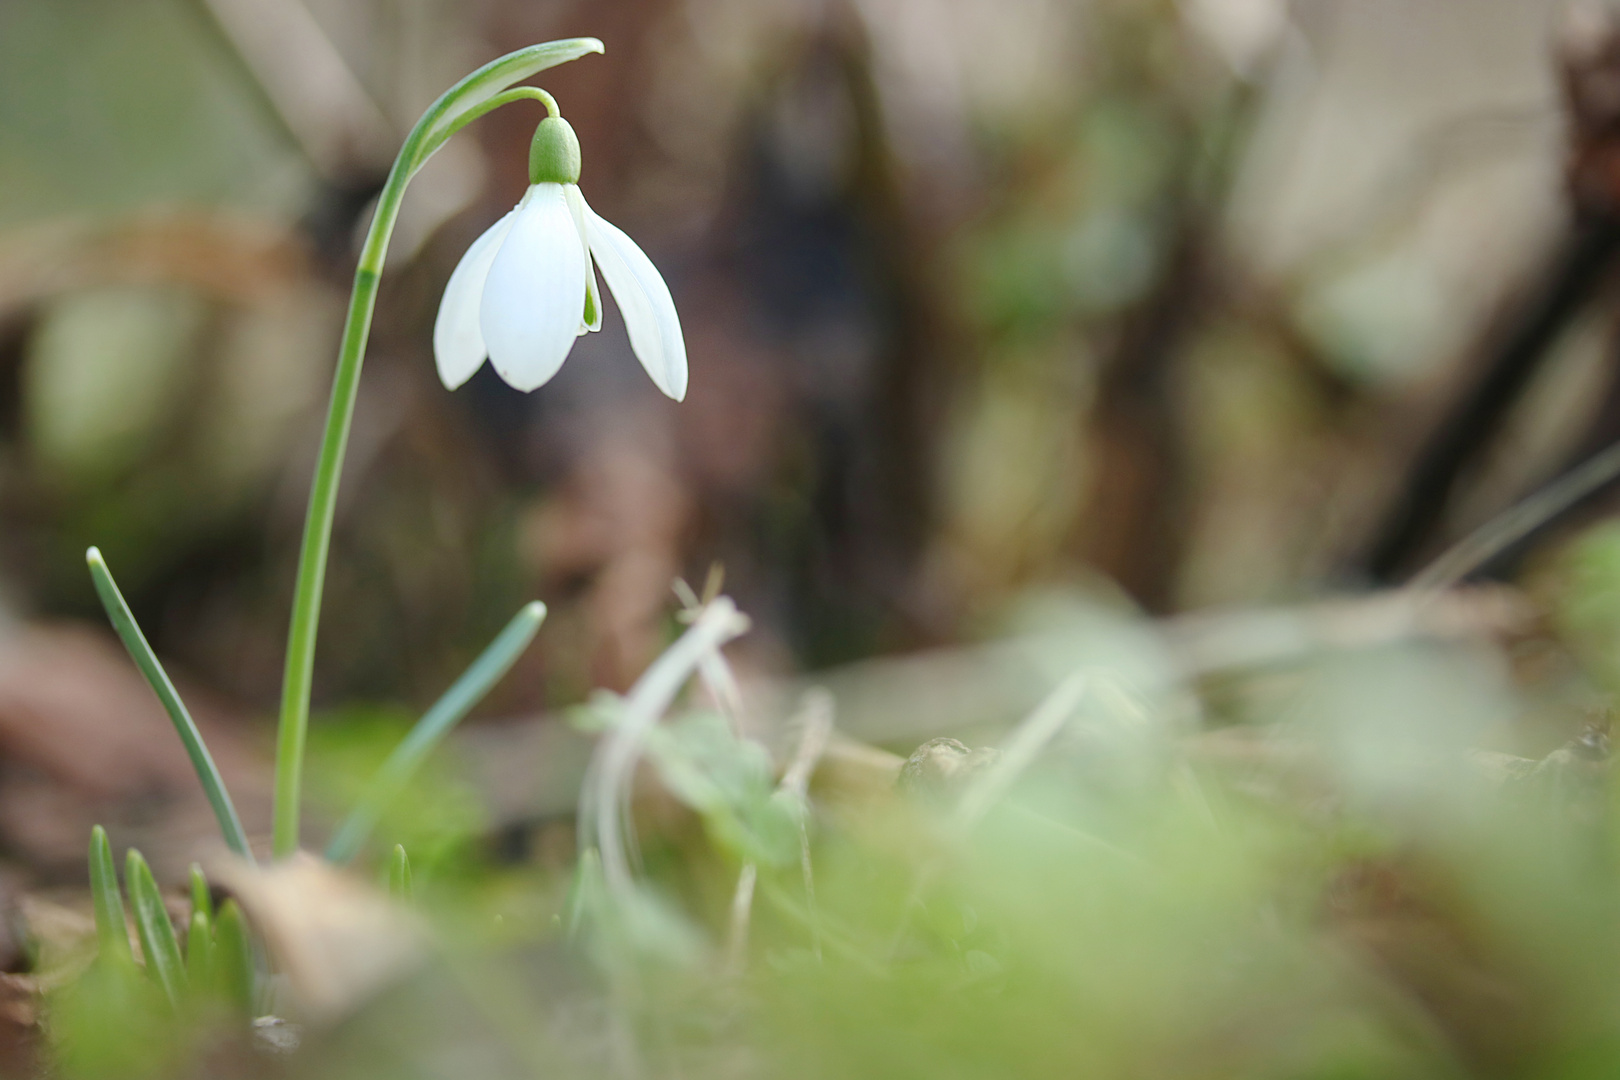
[(200, 953), (233, 957), (476, 682), (201, 899), (162, 950), (230, 825), (111, 930)]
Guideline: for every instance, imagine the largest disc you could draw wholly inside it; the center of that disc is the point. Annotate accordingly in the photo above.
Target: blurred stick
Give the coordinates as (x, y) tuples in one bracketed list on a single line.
[(815, 721), (1140, 502), (1514, 349), (1023, 747), (1497, 535), (1511, 359)]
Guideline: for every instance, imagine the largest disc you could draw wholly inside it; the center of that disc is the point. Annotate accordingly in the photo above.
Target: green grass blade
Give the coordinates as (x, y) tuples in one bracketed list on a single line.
[(233, 957), (201, 900), (111, 930), (200, 953), (436, 723), (124, 622), (163, 962), (399, 875)]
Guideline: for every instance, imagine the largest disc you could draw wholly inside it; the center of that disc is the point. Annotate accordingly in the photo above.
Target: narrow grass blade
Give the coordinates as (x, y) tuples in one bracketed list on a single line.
[(399, 875), (111, 930), (436, 723), (152, 923), (201, 900), (233, 957), (207, 773), (200, 953)]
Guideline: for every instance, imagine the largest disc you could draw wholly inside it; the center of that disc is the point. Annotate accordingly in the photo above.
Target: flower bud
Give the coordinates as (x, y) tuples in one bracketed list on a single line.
[(554, 154)]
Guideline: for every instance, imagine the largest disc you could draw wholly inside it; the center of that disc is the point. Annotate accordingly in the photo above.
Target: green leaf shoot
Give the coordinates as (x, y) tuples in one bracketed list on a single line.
[(200, 953), (476, 682), (111, 930), (230, 825), (201, 900), (162, 950), (233, 958)]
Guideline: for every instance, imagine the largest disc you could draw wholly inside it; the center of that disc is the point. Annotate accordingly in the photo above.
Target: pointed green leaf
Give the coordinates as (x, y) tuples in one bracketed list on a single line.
[(399, 875), (152, 923), (233, 957), (200, 954), (201, 760), (201, 900), (492, 664), (111, 930)]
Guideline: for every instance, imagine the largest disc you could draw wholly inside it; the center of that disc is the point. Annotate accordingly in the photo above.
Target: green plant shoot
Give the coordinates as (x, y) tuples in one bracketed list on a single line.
[(111, 930), (230, 825), (158, 942), (436, 723)]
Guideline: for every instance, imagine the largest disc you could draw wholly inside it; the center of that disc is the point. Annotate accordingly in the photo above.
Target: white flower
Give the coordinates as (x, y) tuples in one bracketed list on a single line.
[(527, 287)]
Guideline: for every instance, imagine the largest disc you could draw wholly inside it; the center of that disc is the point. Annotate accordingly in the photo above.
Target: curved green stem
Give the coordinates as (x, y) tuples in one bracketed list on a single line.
[(517, 93), (458, 106)]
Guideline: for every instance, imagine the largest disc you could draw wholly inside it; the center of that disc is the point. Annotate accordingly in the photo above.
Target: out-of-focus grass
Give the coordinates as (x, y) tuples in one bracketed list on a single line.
[(1333, 882)]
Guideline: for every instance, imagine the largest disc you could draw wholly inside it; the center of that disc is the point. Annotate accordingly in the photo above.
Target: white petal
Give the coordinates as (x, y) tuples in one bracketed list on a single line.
[(535, 296), (458, 344), (645, 303), (593, 299)]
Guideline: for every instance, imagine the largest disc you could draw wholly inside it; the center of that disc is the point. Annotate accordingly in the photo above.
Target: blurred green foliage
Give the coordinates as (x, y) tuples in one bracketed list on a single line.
[(158, 114)]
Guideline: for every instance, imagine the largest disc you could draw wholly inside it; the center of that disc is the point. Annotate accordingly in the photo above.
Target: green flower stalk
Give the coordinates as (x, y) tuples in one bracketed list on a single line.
[(487, 88)]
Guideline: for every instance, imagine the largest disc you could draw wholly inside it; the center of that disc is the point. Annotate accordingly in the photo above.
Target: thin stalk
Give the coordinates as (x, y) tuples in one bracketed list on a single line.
[(140, 651), (458, 106), (816, 729), (492, 664), (603, 818)]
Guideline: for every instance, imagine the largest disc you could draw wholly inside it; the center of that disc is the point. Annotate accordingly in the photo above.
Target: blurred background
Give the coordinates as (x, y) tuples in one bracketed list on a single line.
[(1174, 304)]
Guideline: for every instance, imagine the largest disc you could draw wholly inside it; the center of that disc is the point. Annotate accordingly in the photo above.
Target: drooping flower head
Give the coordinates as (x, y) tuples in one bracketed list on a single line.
[(527, 287)]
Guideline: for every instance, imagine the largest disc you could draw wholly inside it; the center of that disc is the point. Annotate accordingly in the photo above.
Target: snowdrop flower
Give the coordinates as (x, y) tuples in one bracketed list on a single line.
[(527, 287)]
